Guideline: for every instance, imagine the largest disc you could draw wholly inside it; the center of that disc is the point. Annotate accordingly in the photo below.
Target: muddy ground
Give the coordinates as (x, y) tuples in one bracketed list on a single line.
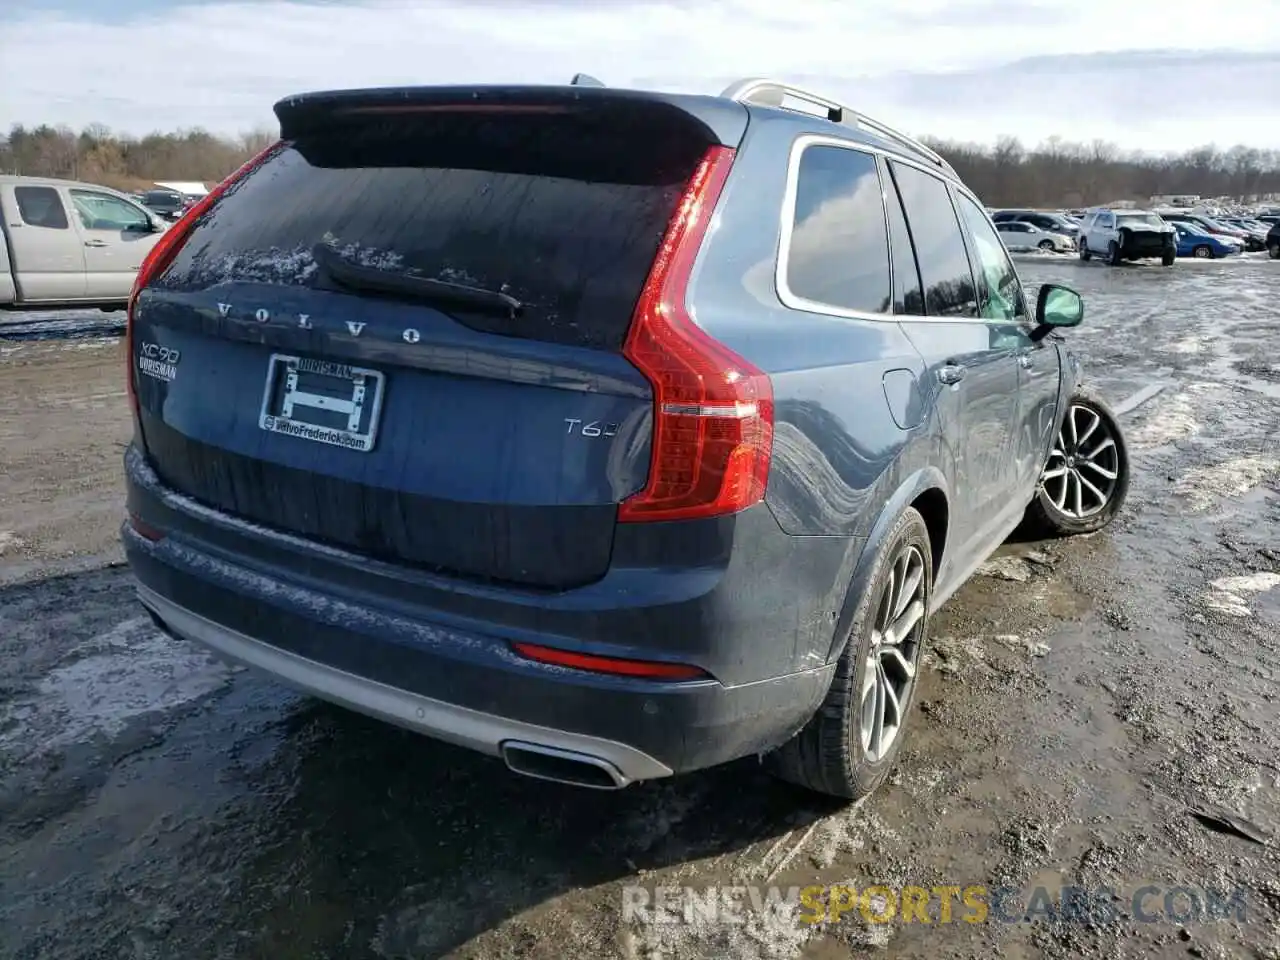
[(1083, 698)]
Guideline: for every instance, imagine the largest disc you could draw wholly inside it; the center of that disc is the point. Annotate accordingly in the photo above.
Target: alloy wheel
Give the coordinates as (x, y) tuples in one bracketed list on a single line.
[(894, 655), (1084, 465)]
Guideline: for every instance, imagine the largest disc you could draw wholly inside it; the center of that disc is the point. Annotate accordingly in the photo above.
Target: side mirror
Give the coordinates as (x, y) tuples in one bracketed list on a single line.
[(1056, 306)]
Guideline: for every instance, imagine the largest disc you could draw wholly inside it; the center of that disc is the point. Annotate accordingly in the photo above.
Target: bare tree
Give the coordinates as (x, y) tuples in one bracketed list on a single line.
[(1056, 173)]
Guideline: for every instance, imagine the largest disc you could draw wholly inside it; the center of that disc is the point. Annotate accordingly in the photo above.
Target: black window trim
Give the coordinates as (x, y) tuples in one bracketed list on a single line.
[(789, 298)]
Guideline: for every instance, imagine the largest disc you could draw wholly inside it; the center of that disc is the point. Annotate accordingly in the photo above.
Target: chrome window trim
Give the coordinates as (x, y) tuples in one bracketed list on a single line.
[(786, 226)]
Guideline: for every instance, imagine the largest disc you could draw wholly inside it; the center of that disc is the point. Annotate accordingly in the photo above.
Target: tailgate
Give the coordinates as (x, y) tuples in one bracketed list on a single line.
[(401, 334)]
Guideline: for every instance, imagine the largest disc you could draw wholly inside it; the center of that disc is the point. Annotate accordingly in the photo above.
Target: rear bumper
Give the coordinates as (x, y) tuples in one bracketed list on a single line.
[(450, 677), (474, 729)]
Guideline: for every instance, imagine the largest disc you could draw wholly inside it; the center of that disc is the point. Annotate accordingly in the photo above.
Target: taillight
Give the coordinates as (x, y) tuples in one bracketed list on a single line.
[(167, 247), (642, 669), (713, 411)]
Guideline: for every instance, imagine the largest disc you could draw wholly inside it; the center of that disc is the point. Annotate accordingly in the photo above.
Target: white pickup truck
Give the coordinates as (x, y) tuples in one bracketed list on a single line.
[(69, 244)]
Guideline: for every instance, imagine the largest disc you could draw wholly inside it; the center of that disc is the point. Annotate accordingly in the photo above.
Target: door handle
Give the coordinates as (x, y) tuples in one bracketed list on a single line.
[(95, 243), (951, 373)]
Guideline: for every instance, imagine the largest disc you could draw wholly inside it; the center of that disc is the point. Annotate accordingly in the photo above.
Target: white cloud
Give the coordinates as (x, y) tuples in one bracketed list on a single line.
[(933, 66)]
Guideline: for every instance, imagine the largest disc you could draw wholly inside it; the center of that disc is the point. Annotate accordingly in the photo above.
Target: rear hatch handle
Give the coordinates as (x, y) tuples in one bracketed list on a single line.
[(355, 276)]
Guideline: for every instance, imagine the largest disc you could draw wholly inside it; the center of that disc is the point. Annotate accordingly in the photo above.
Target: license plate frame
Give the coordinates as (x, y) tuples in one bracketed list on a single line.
[(362, 408)]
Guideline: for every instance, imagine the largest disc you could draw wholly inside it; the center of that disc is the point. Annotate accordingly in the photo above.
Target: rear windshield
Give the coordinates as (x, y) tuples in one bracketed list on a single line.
[(563, 213)]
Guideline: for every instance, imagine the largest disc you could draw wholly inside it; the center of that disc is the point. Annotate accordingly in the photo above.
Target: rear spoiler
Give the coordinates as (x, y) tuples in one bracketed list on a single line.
[(715, 120)]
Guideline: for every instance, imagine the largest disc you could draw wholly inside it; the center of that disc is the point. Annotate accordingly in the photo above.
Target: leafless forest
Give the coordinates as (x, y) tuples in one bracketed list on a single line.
[(1054, 173)]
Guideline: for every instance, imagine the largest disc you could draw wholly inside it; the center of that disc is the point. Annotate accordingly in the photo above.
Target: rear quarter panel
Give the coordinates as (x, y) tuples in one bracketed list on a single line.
[(856, 434), (838, 383)]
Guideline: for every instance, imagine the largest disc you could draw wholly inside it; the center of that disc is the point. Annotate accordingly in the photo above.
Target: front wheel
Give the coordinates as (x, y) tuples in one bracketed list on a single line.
[(849, 745), (1047, 245), (1086, 478), (1203, 252), (1113, 254)]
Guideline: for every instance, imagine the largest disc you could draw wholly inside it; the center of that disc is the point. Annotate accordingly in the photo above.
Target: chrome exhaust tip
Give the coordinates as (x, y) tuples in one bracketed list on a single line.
[(561, 766)]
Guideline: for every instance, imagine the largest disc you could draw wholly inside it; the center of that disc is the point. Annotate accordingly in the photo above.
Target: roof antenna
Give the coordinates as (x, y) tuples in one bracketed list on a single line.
[(584, 80)]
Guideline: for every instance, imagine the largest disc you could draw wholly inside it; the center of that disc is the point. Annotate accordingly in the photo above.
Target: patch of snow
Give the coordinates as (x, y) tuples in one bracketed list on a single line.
[(1228, 595), (1006, 568), (128, 672), (1033, 648), (1172, 420), (10, 541), (1202, 487), (269, 266)]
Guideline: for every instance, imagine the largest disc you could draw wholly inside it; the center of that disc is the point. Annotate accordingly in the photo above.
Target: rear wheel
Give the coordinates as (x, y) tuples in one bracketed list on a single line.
[(1273, 251), (1086, 479), (1085, 253), (1203, 252), (1113, 254), (849, 745)]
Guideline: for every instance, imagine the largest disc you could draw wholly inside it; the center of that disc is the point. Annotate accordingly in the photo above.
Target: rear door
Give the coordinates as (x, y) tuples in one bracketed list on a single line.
[(975, 370), (117, 235), (46, 252), (300, 371)]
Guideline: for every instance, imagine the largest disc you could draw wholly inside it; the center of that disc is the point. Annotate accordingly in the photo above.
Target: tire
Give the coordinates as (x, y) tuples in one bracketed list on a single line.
[(1202, 252), (1055, 510), (1168, 259), (1273, 251), (1113, 254), (1085, 253), (829, 755), (1046, 245)]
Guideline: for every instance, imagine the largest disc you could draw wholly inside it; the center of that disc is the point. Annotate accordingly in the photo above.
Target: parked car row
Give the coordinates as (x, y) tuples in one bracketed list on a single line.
[(1250, 237), (1124, 234)]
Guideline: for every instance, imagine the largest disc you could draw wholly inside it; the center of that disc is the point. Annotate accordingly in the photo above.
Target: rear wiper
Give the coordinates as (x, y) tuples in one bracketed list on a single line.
[(445, 292)]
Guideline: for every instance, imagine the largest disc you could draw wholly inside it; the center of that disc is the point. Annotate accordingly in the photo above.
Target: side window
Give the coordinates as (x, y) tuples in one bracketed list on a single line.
[(101, 211), (1000, 292), (41, 207), (908, 297), (940, 250), (1106, 221), (839, 251)]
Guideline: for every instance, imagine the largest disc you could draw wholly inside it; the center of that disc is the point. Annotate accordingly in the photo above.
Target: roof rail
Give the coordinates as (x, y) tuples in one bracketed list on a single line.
[(772, 93)]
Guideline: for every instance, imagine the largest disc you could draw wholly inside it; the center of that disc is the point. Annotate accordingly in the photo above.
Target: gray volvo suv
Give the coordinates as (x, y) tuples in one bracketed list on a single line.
[(612, 432)]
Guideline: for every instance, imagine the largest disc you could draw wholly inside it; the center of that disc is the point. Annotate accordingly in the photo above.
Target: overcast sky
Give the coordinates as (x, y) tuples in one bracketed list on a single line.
[(1147, 74)]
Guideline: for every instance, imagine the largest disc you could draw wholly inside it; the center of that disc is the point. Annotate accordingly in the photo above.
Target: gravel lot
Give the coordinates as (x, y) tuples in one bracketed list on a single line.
[(1083, 698)]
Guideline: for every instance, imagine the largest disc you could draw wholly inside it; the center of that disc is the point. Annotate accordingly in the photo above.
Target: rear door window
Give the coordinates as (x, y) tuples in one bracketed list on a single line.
[(564, 214), (940, 250), (41, 207), (839, 249)]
